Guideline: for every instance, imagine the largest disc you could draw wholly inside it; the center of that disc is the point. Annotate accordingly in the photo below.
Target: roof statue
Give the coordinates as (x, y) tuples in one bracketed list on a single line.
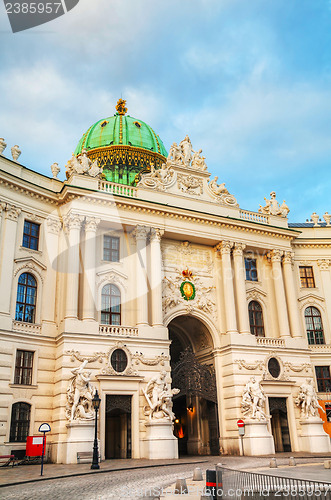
[(185, 172), (3, 145), (272, 207), (82, 165)]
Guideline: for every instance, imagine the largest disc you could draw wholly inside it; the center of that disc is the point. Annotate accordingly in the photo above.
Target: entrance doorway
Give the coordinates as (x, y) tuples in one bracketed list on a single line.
[(192, 371), (279, 424), (118, 427)]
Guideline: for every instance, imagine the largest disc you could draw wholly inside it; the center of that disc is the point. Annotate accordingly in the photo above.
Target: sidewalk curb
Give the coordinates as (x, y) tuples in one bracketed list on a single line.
[(98, 471)]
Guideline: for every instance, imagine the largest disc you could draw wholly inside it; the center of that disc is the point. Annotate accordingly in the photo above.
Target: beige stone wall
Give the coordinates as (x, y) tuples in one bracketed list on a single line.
[(209, 241)]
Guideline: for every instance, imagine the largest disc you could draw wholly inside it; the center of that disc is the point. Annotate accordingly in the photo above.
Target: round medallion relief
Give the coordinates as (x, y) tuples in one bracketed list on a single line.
[(274, 367), (119, 360)]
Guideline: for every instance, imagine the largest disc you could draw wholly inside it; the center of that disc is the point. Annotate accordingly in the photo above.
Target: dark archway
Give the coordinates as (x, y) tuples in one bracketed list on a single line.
[(118, 427), (192, 371)]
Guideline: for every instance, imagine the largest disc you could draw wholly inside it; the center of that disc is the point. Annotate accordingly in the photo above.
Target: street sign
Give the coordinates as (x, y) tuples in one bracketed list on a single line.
[(44, 428), (240, 423)]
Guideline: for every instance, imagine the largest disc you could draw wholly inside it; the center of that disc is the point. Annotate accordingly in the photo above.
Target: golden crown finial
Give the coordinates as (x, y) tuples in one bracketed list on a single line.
[(120, 107)]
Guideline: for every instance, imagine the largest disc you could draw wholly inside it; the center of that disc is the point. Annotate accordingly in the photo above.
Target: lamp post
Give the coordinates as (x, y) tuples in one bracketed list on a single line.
[(96, 405)]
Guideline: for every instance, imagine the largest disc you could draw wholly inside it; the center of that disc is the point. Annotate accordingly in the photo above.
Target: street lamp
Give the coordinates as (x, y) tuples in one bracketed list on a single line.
[(96, 405)]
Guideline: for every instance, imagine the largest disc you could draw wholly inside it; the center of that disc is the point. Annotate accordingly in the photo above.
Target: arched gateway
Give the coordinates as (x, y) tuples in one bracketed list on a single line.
[(193, 372)]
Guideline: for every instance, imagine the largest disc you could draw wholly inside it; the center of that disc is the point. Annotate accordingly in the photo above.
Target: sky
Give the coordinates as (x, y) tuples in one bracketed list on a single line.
[(248, 80)]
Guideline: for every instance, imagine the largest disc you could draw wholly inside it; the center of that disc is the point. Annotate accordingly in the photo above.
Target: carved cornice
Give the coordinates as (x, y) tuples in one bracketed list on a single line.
[(73, 221), (91, 223), (54, 225), (324, 264), (156, 234)]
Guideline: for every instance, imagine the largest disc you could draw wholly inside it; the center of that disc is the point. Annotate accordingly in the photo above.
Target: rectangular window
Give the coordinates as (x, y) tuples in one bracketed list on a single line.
[(307, 277), (23, 367), (30, 235), (251, 271), (111, 248), (323, 378)]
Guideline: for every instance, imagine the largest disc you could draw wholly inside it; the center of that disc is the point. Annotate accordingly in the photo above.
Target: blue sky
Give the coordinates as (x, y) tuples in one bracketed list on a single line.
[(248, 80)]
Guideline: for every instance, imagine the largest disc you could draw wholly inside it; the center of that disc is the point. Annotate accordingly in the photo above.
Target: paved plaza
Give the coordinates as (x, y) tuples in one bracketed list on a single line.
[(132, 479)]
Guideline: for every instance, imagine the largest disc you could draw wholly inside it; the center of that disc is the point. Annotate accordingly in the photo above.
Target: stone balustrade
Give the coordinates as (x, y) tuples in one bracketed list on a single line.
[(254, 217), (120, 189), (20, 326), (123, 331), (267, 341)]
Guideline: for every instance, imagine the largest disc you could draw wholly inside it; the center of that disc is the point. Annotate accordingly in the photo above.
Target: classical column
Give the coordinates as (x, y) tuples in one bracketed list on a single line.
[(52, 230), (156, 276), (8, 243), (291, 295), (324, 267), (141, 233), (230, 309), (239, 276), (73, 223), (276, 257), (91, 224)]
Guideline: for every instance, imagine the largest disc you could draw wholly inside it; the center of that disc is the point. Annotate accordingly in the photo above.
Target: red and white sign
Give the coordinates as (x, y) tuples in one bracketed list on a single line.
[(34, 446), (240, 423)]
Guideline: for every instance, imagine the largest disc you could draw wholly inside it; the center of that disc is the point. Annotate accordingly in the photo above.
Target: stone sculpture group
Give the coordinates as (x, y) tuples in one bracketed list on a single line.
[(158, 394), (253, 400), (307, 400), (80, 393)]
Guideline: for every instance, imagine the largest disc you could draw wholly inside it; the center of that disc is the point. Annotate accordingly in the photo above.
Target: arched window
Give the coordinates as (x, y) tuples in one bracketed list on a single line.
[(314, 326), (256, 318), (110, 305), (26, 298), (20, 422)]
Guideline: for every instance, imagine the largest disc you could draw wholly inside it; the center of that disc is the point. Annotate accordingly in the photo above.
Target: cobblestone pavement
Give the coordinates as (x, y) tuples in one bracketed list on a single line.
[(127, 484)]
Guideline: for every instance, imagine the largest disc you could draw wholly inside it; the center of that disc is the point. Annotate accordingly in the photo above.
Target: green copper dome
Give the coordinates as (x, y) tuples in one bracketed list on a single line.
[(123, 146)]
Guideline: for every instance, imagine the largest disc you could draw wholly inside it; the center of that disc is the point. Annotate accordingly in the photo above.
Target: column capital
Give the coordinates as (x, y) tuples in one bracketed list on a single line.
[(324, 264), (275, 255), (140, 232), (53, 225), (73, 221), (238, 249), (224, 247), (12, 212), (91, 223), (156, 234), (288, 258)]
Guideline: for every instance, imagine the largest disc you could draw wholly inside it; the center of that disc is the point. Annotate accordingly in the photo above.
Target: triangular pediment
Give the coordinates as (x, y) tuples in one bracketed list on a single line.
[(312, 296), (32, 260)]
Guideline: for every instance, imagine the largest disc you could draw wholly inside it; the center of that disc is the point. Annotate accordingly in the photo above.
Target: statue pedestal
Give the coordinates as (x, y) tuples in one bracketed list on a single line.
[(257, 439), (160, 441), (313, 437), (80, 438)]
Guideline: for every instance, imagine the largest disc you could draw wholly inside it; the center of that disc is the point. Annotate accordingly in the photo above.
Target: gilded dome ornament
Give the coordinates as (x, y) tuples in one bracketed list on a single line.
[(120, 107)]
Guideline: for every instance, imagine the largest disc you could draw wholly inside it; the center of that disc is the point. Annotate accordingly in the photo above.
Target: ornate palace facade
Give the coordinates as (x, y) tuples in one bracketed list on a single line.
[(139, 264)]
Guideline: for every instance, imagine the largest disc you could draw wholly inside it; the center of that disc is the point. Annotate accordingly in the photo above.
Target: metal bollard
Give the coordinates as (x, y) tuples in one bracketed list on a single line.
[(327, 464), (291, 462), (273, 463), (181, 486), (197, 474), (211, 483)]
